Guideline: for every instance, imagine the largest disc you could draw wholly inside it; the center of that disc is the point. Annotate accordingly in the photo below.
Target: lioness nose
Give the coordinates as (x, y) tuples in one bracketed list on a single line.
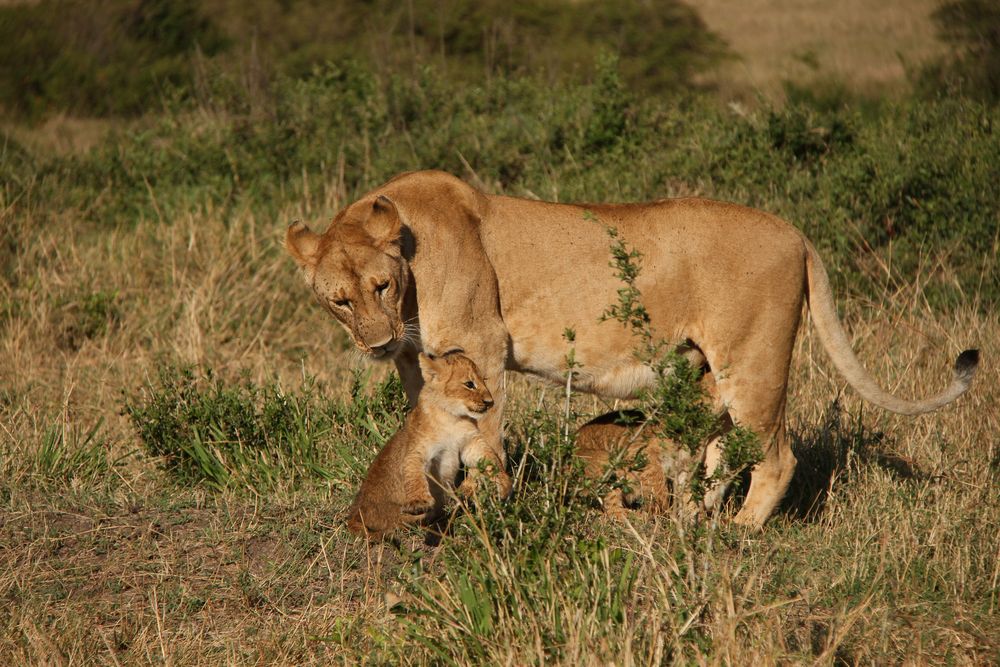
[(488, 402)]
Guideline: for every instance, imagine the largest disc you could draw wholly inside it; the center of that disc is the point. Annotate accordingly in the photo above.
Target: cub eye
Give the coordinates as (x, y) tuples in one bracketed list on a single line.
[(381, 288), (343, 303), (469, 384)]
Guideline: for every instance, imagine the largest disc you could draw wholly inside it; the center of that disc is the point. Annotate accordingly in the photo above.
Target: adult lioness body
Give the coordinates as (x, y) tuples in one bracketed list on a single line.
[(502, 278)]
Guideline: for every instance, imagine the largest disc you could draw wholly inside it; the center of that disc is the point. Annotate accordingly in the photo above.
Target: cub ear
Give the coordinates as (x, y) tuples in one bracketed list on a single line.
[(384, 225), (428, 368), (302, 244)]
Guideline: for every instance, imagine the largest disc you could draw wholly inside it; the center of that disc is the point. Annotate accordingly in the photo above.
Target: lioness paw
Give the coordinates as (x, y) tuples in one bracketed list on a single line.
[(503, 482)]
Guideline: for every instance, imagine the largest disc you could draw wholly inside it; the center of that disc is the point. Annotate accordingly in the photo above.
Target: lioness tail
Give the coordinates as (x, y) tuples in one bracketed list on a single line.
[(838, 346)]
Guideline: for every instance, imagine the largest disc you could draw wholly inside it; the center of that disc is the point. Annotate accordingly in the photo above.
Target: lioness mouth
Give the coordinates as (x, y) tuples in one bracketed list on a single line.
[(386, 349)]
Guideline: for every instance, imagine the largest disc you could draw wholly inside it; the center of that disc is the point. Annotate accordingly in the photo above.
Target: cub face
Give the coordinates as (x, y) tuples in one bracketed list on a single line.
[(454, 383)]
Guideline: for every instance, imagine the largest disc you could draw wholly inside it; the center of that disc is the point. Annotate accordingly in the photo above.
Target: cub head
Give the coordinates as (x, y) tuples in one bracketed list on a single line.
[(358, 273), (454, 383)]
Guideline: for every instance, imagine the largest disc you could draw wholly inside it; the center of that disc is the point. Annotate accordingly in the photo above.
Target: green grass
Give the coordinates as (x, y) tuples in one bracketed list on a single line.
[(257, 437)]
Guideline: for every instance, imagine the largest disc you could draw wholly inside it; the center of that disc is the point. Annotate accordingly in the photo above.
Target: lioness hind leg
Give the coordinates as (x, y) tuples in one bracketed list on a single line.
[(769, 478), (753, 387)]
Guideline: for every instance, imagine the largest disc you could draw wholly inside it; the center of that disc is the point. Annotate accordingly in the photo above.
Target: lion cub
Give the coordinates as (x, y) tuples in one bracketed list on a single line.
[(614, 438), (408, 480)]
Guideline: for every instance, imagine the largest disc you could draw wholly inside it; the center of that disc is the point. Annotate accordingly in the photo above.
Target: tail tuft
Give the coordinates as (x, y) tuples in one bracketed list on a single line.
[(965, 366)]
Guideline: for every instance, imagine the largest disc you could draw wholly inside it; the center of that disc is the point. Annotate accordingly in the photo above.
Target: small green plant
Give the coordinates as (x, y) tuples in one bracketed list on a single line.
[(223, 436), (66, 454)]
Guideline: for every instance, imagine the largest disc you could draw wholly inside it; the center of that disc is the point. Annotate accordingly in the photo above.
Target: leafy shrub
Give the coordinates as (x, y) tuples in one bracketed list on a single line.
[(908, 178), (256, 437)]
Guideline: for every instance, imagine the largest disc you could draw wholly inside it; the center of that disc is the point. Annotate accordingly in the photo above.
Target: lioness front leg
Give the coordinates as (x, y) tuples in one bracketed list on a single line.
[(409, 373), (485, 454)]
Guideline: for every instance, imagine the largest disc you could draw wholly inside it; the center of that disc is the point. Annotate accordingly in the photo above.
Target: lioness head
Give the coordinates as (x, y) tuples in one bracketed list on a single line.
[(453, 382), (357, 272)]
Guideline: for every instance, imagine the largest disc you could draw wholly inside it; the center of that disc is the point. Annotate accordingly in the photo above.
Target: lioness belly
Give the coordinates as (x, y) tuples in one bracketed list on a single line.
[(621, 378)]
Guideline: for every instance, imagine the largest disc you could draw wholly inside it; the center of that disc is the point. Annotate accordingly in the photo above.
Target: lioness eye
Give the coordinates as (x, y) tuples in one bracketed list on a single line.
[(381, 288), (470, 384)]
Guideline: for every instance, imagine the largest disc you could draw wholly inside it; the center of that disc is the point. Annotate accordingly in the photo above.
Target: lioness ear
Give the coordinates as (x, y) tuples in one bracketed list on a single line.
[(384, 225), (427, 368), (302, 244)]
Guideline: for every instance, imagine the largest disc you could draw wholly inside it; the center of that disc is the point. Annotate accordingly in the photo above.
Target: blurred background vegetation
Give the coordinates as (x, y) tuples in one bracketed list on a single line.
[(121, 57), (236, 105)]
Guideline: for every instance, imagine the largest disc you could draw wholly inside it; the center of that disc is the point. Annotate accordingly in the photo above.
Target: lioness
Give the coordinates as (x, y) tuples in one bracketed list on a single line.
[(409, 478), (501, 278)]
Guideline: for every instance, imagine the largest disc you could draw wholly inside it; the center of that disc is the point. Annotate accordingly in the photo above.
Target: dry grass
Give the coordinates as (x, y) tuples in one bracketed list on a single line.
[(887, 550), (864, 44)]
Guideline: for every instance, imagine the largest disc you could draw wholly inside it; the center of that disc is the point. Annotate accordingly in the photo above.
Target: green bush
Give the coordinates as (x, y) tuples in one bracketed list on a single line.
[(257, 437), (913, 179)]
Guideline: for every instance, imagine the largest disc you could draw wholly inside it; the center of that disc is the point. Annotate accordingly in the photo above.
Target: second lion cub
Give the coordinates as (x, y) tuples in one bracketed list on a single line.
[(610, 443), (409, 478)]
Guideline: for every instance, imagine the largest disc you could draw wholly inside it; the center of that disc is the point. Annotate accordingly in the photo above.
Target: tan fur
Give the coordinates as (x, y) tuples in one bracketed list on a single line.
[(610, 444), (409, 479), (501, 278)]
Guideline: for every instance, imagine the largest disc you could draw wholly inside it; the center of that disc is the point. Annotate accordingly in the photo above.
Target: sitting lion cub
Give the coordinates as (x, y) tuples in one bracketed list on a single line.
[(407, 481), (614, 440)]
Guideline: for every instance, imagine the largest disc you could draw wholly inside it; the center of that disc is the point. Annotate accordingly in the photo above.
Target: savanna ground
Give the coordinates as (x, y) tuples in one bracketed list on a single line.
[(182, 428)]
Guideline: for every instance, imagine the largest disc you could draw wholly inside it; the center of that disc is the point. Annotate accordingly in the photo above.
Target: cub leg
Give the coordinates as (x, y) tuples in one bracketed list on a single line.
[(487, 450), (417, 496)]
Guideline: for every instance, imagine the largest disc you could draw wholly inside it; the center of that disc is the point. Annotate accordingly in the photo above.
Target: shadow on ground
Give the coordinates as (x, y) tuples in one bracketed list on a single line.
[(836, 447)]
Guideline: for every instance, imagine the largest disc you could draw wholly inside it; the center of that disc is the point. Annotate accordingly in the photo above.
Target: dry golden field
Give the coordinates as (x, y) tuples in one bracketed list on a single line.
[(887, 549), (141, 276), (865, 45)]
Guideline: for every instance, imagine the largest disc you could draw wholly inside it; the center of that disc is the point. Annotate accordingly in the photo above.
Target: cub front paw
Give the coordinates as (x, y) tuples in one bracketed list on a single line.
[(504, 482), (418, 507)]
